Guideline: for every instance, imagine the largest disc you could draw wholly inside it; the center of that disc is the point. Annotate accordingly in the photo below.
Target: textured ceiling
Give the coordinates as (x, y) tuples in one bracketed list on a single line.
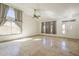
[(50, 10)]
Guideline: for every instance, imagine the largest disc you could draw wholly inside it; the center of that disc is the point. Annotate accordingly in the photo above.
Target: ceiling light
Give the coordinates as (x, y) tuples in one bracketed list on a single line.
[(36, 14)]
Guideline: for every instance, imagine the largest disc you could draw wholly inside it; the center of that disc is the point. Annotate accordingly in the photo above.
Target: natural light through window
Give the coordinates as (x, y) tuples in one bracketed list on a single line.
[(11, 13), (63, 29), (10, 26)]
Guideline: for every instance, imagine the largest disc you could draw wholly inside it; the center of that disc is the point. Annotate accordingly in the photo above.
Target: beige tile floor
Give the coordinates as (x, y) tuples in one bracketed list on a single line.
[(40, 46)]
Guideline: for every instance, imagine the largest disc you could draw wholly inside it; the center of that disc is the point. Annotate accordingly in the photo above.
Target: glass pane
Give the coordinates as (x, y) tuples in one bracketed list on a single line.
[(6, 28), (11, 13), (15, 28)]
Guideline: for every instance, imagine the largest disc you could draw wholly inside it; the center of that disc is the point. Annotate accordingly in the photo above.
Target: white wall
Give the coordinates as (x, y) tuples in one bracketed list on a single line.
[(30, 27)]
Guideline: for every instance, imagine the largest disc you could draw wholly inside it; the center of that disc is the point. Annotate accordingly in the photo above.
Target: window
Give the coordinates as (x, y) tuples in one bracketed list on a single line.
[(11, 13), (10, 26), (63, 29), (48, 27)]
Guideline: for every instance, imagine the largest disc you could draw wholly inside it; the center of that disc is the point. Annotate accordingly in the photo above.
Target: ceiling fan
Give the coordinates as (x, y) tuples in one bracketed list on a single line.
[(36, 14)]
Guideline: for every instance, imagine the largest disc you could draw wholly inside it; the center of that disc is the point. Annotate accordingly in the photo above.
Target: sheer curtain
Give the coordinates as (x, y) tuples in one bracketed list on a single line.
[(3, 13), (18, 18)]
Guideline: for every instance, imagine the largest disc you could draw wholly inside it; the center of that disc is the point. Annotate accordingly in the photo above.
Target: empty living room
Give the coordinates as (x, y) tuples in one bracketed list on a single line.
[(39, 29)]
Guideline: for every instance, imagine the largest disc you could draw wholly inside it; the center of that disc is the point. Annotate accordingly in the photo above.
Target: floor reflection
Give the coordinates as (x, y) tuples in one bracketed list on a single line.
[(47, 42), (63, 45), (40, 45)]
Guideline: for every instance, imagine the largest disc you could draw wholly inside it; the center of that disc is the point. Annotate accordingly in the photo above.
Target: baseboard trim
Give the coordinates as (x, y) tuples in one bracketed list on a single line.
[(3, 41), (42, 34), (57, 36)]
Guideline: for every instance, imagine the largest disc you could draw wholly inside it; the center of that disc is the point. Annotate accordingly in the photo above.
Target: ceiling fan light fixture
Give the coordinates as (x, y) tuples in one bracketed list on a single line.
[(36, 14)]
